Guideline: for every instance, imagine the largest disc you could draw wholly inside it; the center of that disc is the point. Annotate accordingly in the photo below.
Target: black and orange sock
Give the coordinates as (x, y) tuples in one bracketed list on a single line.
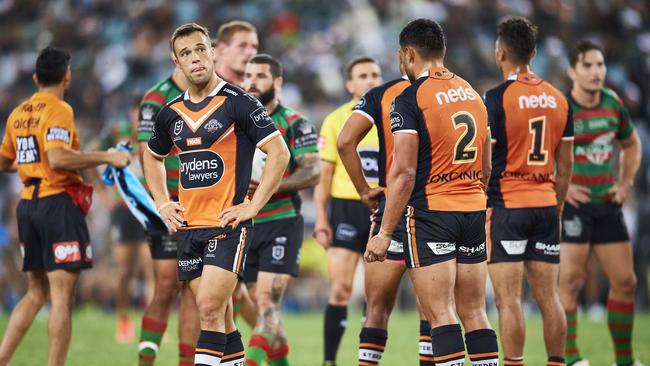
[(259, 347), (185, 354), (424, 344), (447, 345), (209, 348), (151, 334), (372, 342), (513, 361), (482, 347), (620, 320), (336, 318), (572, 352), (555, 361), (233, 355), (279, 356)]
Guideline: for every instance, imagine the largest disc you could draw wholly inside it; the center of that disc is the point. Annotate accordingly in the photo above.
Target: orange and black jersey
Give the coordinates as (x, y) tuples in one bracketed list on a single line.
[(528, 119), (216, 141), (450, 121), (375, 105)]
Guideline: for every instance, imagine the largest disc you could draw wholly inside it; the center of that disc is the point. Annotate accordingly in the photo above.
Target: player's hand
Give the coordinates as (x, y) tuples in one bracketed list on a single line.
[(171, 214), (620, 191), (119, 159), (235, 215), (371, 196), (376, 249), (323, 233), (252, 187), (578, 194)]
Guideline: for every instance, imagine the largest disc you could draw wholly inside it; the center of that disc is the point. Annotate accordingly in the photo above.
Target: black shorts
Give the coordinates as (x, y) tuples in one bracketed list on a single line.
[(396, 248), (125, 228), (438, 236), (518, 234), (350, 221), (275, 248), (221, 247), (594, 224), (53, 234), (164, 247)]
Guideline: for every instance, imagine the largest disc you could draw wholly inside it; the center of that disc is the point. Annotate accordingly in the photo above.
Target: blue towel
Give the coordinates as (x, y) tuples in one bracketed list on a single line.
[(136, 196)]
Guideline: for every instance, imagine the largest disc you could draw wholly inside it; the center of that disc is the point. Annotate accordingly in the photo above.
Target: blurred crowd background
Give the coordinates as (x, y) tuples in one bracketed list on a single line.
[(120, 49)]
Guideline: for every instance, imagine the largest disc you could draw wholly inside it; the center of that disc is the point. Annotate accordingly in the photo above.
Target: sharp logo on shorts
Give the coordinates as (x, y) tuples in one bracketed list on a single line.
[(193, 141), (479, 249), (178, 127), (548, 249), (278, 252), (260, 117), (212, 245), (514, 247), (200, 169), (187, 265), (572, 228), (281, 239), (345, 232), (396, 247), (66, 252), (27, 150), (370, 163), (441, 248), (58, 134)]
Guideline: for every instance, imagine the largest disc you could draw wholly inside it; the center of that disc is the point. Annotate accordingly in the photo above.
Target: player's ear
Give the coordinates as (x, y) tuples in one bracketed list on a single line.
[(571, 73), (35, 78), (532, 56), (349, 86), (277, 82)]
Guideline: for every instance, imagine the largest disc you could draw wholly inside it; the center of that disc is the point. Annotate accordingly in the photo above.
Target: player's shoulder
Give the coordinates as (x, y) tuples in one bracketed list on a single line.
[(610, 96), (496, 93), (288, 114)]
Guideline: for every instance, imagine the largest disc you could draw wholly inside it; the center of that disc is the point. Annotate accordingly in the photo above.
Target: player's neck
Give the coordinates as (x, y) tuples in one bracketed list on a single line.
[(57, 90), (585, 98), (229, 74), (423, 65), (200, 92), (508, 69), (180, 80), (272, 105)]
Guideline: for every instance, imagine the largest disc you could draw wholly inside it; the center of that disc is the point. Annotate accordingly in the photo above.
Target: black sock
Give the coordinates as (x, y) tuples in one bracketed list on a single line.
[(335, 323), (482, 347), (234, 353), (555, 361), (448, 347), (209, 348), (424, 344), (372, 342)]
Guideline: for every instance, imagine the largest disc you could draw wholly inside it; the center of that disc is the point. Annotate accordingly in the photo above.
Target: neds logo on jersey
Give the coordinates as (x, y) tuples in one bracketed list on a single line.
[(27, 150), (200, 169), (459, 94), (537, 101)]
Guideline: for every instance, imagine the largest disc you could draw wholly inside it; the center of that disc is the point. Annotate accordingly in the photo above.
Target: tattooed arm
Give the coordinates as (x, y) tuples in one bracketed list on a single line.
[(306, 174)]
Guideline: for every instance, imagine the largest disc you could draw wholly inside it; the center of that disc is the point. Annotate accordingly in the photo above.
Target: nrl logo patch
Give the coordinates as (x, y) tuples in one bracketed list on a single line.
[(178, 127)]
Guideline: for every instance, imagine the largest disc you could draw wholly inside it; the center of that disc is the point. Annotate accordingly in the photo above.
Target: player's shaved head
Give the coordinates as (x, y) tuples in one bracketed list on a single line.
[(518, 36), (425, 36)]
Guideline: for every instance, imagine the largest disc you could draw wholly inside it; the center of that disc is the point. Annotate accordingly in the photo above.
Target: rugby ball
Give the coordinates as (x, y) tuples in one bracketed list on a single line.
[(259, 160)]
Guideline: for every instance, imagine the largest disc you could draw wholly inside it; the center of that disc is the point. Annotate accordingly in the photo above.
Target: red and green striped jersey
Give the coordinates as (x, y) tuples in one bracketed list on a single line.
[(595, 131), (301, 138), (152, 102)]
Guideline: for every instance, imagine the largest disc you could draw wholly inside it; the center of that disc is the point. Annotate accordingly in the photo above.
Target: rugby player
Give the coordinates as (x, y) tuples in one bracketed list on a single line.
[(440, 165), (42, 144), (532, 152), (593, 218), (216, 128), (344, 231), (279, 228)]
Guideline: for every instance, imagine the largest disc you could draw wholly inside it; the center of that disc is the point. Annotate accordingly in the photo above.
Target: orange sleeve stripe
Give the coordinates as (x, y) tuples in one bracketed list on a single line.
[(449, 357), (268, 138)]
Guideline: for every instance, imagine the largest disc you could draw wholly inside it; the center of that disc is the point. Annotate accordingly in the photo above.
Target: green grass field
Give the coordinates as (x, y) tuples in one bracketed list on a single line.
[(93, 341)]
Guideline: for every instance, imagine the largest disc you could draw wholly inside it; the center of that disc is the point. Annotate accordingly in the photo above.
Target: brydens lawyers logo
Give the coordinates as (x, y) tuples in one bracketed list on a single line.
[(66, 252), (261, 118), (200, 169)]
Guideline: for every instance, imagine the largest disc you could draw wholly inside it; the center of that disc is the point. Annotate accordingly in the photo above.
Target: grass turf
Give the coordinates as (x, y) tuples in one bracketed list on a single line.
[(93, 341)]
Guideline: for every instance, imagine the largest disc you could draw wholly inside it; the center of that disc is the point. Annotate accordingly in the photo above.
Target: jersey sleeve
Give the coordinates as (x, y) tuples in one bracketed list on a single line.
[(405, 113), (369, 106), (7, 147), (146, 119), (58, 128), (493, 103), (161, 142), (304, 138), (625, 127), (251, 116), (568, 134), (327, 140)]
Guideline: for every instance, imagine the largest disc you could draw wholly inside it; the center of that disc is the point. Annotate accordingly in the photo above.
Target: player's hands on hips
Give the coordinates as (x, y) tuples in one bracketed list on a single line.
[(376, 249), (171, 214), (578, 194), (323, 233), (371, 196), (119, 159), (235, 215), (620, 191)]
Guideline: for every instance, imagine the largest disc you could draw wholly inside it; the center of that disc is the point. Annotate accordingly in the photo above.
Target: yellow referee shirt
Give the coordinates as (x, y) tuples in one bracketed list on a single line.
[(342, 186)]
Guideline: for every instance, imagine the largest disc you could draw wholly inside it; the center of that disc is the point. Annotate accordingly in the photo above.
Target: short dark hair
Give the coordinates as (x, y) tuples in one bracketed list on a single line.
[(227, 30), (580, 49), (519, 36), (186, 29), (51, 65), (356, 61), (274, 64), (426, 36)]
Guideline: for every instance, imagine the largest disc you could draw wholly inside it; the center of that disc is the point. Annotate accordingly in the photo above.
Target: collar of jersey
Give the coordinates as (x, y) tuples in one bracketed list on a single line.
[(214, 91)]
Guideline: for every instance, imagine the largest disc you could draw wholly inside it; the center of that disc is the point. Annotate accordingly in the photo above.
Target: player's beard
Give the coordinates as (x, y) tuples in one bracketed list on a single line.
[(267, 96)]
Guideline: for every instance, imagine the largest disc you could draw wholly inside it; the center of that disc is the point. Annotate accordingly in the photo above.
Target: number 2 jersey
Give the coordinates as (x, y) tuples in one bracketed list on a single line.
[(528, 119), (450, 121), (216, 140)]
